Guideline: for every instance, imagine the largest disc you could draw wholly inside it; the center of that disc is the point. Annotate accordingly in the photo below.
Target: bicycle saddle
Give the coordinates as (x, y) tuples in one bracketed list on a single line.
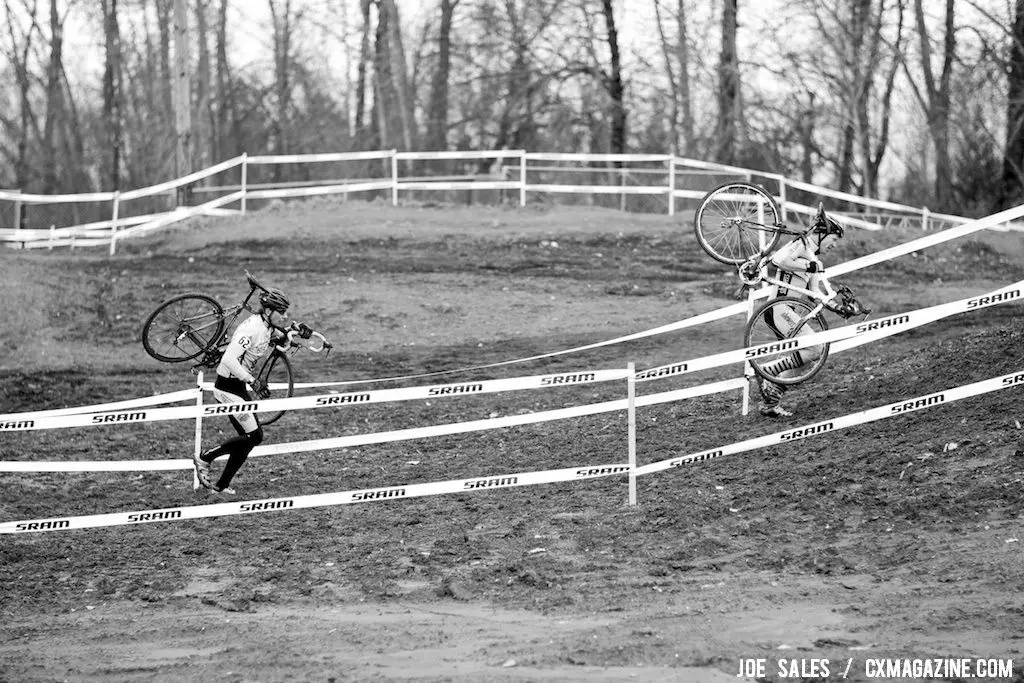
[(253, 282)]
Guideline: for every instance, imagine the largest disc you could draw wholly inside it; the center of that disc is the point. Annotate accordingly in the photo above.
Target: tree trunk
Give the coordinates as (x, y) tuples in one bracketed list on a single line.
[(400, 76), (166, 25), (282, 24), (1012, 190), (54, 100), (685, 103), (807, 121), (874, 152), (437, 117), (20, 59), (182, 98), (937, 100), (364, 61), (615, 87), (728, 86), (385, 105), (673, 85), (226, 114), (206, 120), (112, 117)]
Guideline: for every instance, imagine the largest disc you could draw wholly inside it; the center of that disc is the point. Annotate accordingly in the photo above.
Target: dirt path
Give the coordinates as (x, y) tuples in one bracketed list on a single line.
[(901, 538)]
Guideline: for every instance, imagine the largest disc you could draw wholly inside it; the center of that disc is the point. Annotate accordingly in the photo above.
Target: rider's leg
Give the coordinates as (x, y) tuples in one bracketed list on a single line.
[(250, 434)]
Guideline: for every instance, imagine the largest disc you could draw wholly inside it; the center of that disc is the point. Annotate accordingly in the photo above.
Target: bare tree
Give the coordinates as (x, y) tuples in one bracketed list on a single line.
[(112, 94), (613, 82), (1012, 191), (165, 23), (681, 117), (283, 23), (610, 79), (206, 121), (54, 99), (365, 59), (226, 117), (437, 111), (934, 96), (400, 75), (18, 54), (728, 86)]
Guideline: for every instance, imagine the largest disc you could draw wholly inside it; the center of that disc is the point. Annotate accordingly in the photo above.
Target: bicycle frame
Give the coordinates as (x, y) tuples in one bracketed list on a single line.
[(823, 299)]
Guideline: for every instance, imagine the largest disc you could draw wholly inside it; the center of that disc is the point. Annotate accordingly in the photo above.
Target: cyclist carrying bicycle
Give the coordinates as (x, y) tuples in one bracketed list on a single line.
[(797, 263), (248, 344)]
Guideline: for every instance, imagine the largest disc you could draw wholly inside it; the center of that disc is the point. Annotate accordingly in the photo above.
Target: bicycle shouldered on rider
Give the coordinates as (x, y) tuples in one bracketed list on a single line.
[(237, 368), (797, 263)]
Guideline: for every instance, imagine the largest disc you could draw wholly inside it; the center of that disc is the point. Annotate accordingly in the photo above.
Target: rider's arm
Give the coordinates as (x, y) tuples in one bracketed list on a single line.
[(797, 260), (231, 360)]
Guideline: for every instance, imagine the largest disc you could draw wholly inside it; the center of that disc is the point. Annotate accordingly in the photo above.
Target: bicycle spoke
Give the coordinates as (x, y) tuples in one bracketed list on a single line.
[(773, 326), (735, 221), (182, 328)]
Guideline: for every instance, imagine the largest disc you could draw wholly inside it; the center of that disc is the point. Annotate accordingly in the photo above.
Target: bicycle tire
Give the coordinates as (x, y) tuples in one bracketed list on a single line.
[(727, 226), (172, 326), (760, 330), (276, 369)]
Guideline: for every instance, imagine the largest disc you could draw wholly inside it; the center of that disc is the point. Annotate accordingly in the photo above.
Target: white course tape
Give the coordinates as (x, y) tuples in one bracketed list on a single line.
[(990, 222), (826, 426), (173, 397), (695, 321), (315, 500), (23, 422), (379, 437), (509, 480), (877, 329)]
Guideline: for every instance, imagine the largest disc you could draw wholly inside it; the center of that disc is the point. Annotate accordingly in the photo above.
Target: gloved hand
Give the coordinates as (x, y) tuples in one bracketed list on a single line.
[(305, 331), (260, 388), (852, 307)]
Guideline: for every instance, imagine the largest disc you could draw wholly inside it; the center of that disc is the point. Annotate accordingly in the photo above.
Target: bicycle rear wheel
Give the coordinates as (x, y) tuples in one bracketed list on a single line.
[(732, 218), (276, 372), (775, 322), (183, 327)]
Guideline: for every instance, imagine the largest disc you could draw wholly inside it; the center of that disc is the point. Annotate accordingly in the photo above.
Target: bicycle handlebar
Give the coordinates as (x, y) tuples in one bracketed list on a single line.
[(305, 332)]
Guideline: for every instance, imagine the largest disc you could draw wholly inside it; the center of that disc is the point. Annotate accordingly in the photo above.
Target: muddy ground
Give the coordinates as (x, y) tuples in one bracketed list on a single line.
[(901, 538)]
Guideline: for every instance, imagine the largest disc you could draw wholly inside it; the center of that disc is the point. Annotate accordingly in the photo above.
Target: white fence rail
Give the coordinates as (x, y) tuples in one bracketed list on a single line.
[(508, 175)]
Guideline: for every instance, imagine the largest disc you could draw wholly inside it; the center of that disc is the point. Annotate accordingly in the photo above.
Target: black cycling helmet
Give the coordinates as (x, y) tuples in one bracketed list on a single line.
[(275, 300)]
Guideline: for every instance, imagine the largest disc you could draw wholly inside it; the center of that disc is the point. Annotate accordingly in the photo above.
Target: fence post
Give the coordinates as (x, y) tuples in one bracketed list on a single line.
[(672, 186), (924, 218), (522, 180), (622, 183), (394, 178), (199, 427), (17, 214), (245, 178), (631, 421), (113, 222)]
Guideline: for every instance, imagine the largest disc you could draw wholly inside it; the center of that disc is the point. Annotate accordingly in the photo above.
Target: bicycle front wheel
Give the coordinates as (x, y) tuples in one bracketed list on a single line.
[(776, 322), (183, 327), (276, 372), (731, 220)]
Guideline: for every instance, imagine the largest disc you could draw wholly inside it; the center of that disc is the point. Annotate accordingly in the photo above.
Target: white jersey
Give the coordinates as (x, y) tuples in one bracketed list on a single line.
[(792, 262), (248, 344)]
